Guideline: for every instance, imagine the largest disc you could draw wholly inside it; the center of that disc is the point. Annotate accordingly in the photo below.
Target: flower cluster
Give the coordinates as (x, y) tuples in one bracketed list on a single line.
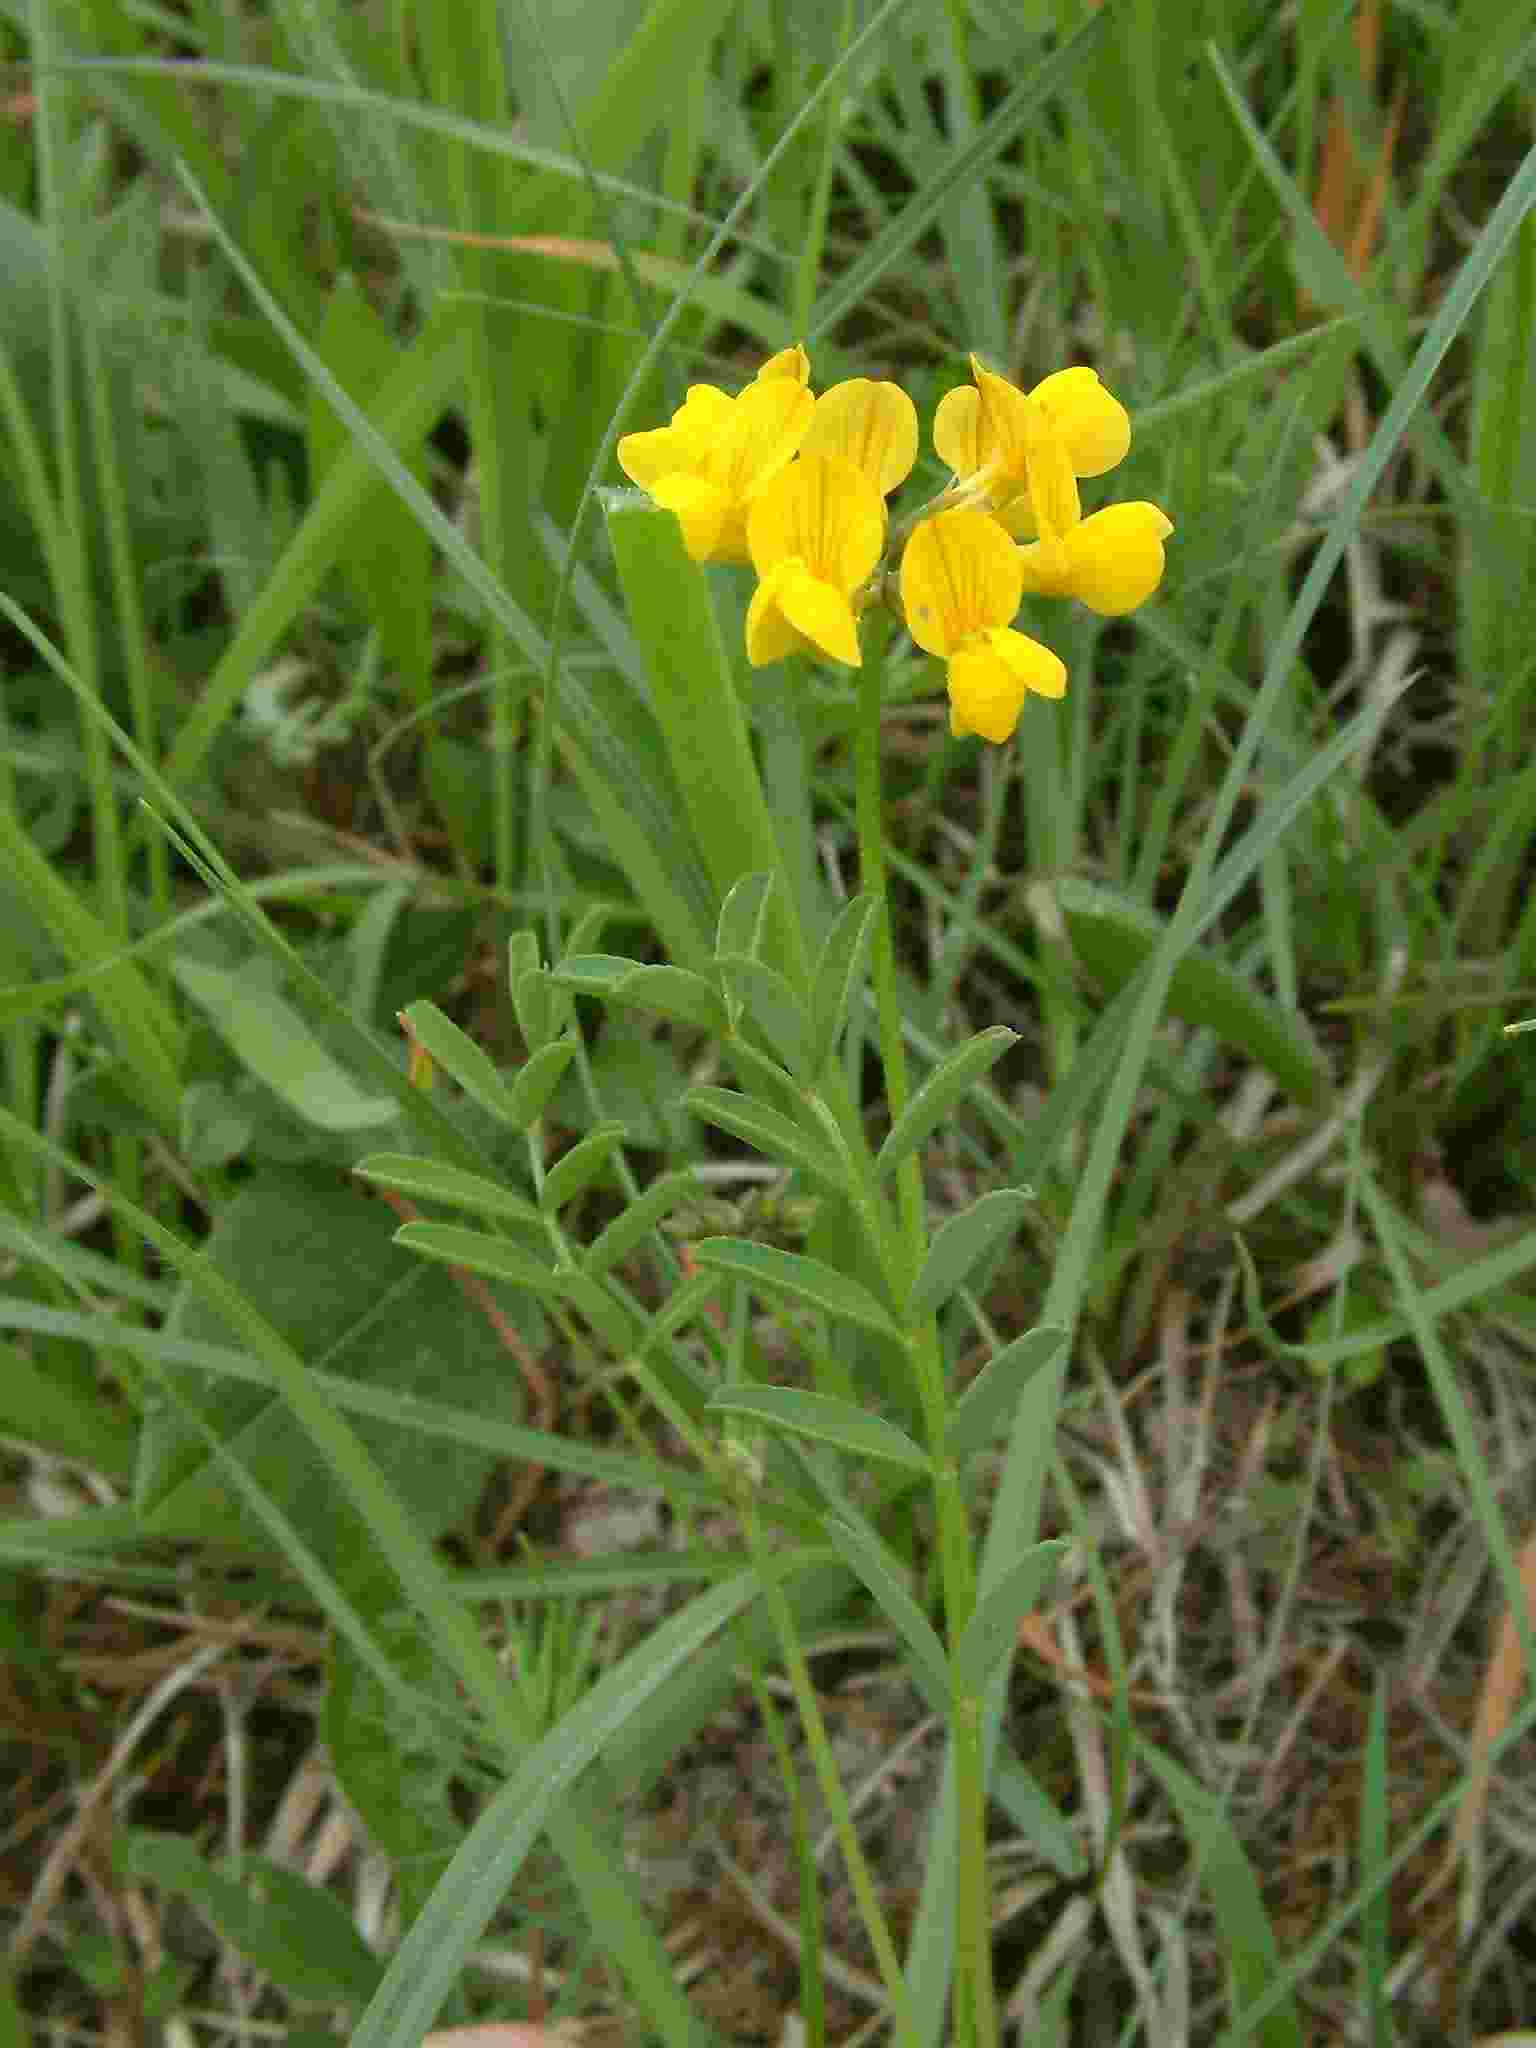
[(797, 486)]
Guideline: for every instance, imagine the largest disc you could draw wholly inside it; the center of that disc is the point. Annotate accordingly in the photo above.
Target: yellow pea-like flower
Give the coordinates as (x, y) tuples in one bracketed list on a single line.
[(815, 533), (871, 424), (1111, 561), (985, 430), (717, 455), (961, 583)]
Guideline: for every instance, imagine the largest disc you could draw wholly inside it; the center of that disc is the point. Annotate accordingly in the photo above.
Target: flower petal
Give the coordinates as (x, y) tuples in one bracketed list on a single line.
[(703, 511), (1003, 436), (645, 458), (789, 362), (766, 426), (871, 424), (989, 680), (770, 636), (1095, 427), (1052, 486), (1115, 557), (956, 425), (819, 613), (960, 575), (824, 512)]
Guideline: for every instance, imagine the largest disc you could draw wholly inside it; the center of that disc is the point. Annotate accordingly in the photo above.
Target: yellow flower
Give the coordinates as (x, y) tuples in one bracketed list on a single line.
[(717, 454), (960, 586), (1111, 561), (872, 425), (986, 431), (789, 362), (815, 533)]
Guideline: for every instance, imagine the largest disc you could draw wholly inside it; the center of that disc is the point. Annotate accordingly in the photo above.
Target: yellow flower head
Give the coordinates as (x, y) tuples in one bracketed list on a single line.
[(961, 582), (986, 430), (717, 454), (872, 425), (815, 532)]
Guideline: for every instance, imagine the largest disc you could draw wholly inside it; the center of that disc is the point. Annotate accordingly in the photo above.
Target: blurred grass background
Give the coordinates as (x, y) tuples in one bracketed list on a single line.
[(318, 324)]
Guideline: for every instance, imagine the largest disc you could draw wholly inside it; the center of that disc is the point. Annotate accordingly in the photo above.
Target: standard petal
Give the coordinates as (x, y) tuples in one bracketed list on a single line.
[(1004, 431), (1052, 486), (819, 613), (824, 511), (646, 458), (1114, 559), (959, 575), (770, 636), (789, 362), (767, 424), (1095, 427), (869, 423), (703, 511), (956, 425), (989, 680)]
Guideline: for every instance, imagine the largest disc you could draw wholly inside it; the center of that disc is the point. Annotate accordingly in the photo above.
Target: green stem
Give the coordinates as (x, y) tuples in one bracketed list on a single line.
[(831, 1783), (976, 1996)]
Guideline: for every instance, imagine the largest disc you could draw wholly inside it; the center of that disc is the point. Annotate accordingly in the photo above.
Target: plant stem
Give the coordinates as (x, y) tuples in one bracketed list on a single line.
[(976, 2003)]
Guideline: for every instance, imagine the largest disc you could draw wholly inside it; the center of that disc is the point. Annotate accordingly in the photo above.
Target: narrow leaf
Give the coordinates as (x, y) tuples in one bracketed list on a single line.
[(961, 1245), (861, 1549), (986, 1407), (537, 1079), (742, 915), (575, 1170), (828, 1420), (774, 1008), (435, 1181), (675, 993), (993, 1628), (942, 1091), (840, 974), (637, 1221), (275, 1044), (493, 1256), (792, 1275), (773, 1135), (461, 1059)]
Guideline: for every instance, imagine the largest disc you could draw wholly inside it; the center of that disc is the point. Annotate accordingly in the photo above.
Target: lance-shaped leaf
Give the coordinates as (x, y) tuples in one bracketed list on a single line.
[(537, 1079), (575, 1170), (274, 1043), (791, 1276), (961, 1245), (774, 1008), (462, 1060), (984, 1409), (861, 1549), (772, 1135), (944, 1088), (828, 1420), (993, 1628), (743, 915), (840, 974), (637, 1221), (432, 1180), (671, 991)]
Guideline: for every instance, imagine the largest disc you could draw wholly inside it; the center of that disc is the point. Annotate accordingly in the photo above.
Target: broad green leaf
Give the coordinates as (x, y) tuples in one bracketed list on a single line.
[(537, 1079), (274, 1043), (943, 1090), (839, 975), (352, 1302), (435, 1181), (300, 1936), (774, 1008), (780, 1275), (861, 1549), (993, 1628), (574, 1171), (1113, 936), (638, 1220), (960, 1246), (829, 1421), (774, 1136), (1246, 1934), (462, 1060), (986, 1407)]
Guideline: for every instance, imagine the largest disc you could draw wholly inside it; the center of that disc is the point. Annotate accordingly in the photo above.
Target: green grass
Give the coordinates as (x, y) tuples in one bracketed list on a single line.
[(595, 1520)]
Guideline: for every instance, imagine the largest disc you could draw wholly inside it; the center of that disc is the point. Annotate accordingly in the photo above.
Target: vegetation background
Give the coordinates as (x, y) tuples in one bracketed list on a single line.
[(321, 1560)]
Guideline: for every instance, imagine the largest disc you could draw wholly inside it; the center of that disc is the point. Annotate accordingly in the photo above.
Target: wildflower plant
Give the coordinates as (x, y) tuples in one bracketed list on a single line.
[(797, 485)]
